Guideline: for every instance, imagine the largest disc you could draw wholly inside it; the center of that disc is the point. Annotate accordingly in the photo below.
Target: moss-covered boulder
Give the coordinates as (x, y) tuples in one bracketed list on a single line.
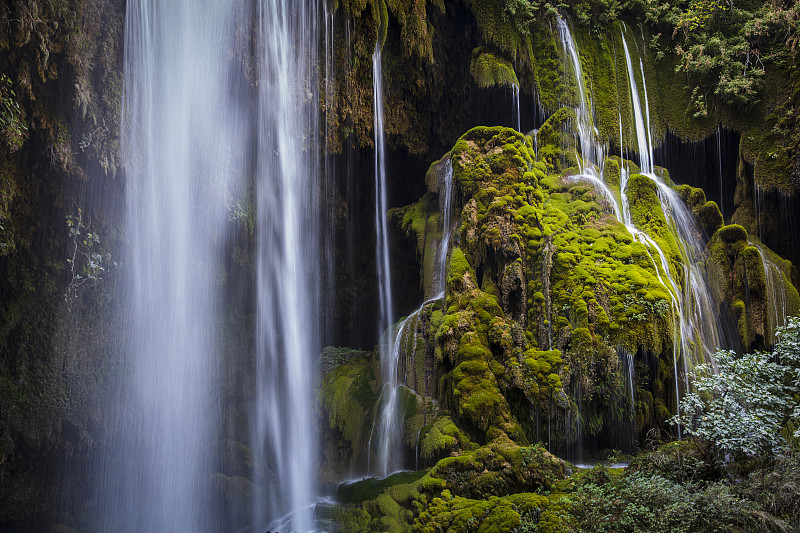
[(348, 397), (754, 282)]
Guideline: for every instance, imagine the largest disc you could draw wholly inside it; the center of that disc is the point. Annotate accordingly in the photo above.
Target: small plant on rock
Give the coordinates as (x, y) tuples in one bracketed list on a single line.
[(87, 263)]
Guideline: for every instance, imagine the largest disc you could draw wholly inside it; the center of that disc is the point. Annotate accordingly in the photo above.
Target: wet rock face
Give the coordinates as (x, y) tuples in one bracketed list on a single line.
[(63, 63), (546, 290)]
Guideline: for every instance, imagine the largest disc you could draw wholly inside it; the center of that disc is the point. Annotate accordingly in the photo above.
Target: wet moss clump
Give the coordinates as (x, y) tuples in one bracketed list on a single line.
[(348, 399), (544, 289), (489, 70), (501, 477)]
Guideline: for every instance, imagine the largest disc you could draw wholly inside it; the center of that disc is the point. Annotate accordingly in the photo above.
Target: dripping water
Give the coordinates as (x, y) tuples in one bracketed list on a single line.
[(719, 161), (440, 284), (700, 331), (591, 150), (776, 299)]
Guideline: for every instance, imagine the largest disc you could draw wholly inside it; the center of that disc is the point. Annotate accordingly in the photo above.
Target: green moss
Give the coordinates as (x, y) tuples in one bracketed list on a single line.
[(732, 233), (558, 129), (499, 468), (348, 399), (370, 488), (488, 70), (647, 215), (442, 437), (611, 173), (548, 68), (498, 29), (709, 217)]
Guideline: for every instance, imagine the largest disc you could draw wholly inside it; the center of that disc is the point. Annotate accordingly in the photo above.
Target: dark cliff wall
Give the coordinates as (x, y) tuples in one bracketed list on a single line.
[(61, 64)]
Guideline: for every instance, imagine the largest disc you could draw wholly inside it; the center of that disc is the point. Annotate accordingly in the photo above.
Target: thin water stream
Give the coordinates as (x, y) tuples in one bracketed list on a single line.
[(388, 425)]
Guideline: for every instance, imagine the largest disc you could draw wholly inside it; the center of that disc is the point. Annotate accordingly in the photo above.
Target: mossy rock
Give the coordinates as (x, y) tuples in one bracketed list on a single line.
[(348, 399), (490, 70), (371, 488), (499, 468), (492, 515), (442, 438)]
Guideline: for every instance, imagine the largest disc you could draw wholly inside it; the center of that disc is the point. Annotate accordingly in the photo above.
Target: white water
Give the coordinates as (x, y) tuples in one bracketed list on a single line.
[(629, 371), (287, 335), (388, 426), (719, 165), (182, 143), (592, 152), (191, 135), (776, 299), (697, 329), (515, 101), (440, 282), (699, 332)]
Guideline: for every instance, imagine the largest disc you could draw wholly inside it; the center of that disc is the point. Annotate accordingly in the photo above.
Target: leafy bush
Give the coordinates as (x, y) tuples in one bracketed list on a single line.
[(641, 502), (723, 46), (743, 406)]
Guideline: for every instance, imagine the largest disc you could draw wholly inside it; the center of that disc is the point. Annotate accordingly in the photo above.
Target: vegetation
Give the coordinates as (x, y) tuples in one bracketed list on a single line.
[(13, 129), (548, 296), (87, 262), (748, 406)]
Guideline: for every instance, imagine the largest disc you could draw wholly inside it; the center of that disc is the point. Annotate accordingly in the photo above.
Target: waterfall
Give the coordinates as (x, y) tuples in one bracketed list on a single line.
[(196, 137), (776, 300), (387, 423), (719, 166), (287, 333), (700, 332), (182, 141), (592, 151), (515, 107), (440, 284), (645, 149), (629, 372)]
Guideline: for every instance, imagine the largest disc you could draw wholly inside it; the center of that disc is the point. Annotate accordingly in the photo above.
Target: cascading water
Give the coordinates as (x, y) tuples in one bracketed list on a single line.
[(440, 283), (183, 144), (694, 301), (719, 165), (692, 304), (387, 424), (190, 137), (287, 330), (699, 331), (776, 303), (592, 151)]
